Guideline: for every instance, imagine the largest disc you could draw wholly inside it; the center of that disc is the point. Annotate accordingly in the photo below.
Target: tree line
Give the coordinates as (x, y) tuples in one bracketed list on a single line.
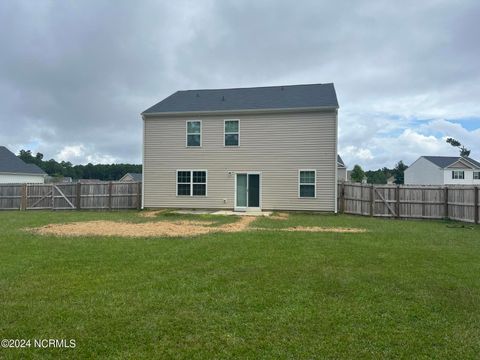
[(379, 176), (105, 172)]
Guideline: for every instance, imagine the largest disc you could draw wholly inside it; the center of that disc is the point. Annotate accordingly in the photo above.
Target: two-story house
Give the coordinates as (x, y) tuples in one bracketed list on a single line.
[(443, 170), (272, 148)]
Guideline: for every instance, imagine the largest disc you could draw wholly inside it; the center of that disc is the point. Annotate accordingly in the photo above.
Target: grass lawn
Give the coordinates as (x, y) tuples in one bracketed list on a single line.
[(404, 289)]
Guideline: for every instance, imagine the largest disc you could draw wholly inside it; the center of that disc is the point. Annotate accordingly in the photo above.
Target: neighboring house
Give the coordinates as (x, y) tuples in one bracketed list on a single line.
[(243, 149), (129, 177), (391, 180), (341, 169), (14, 171), (89, 181), (442, 170), (58, 179)]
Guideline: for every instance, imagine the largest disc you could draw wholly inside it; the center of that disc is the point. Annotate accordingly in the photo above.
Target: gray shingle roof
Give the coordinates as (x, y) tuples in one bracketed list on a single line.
[(445, 161), (340, 161), (255, 98), (9, 163), (136, 176)]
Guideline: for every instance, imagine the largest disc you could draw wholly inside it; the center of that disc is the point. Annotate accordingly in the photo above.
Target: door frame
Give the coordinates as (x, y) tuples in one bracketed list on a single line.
[(247, 208)]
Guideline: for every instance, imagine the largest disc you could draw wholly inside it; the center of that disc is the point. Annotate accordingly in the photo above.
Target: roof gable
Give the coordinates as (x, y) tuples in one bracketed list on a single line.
[(255, 98), (447, 161), (460, 164), (134, 176), (340, 161), (10, 163)]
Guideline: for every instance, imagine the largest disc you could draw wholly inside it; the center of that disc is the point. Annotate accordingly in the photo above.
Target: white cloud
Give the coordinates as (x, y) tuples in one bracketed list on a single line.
[(413, 141), (80, 154)]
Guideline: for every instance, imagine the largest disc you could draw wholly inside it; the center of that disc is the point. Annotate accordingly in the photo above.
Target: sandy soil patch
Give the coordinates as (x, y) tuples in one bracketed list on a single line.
[(324, 229), (165, 228), (279, 216), (150, 229)]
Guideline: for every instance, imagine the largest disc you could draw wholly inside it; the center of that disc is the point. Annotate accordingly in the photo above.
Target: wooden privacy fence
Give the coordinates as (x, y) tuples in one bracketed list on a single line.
[(410, 201), (101, 195)]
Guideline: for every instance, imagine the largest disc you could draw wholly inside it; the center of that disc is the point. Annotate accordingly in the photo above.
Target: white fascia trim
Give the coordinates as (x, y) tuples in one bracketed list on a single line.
[(247, 111)]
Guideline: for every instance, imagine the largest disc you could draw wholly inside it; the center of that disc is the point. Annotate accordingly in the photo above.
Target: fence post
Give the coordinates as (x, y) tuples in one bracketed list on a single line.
[(445, 190), (53, 196), (477, 220), (372, 201), (139, 195), (79, 195), (342, 195), (423, 202), (23, 200), (397, 198), (109, 195)]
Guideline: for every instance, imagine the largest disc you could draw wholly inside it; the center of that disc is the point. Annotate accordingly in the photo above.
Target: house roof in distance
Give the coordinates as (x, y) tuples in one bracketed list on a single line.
[(446, 161), (253, 98), (10, 163), (340, 161), (135, 176)]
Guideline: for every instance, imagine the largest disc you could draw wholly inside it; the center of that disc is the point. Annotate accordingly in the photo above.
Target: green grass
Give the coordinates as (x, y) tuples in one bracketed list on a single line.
[(404, 289)]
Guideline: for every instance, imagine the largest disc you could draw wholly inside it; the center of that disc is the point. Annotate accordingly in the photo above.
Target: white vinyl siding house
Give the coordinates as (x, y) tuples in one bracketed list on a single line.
[(252, 159), (341, 169), (14, 171), (443, 170)]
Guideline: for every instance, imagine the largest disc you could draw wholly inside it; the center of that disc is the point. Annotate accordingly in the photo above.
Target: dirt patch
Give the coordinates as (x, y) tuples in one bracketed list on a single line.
[(279, 216), (325, 229), (165, 228), (151, 214), (240, 225), (150, 229)]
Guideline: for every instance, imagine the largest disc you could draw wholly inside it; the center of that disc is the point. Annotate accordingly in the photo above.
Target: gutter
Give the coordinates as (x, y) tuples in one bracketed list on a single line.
[(246, 111), (23, 174)]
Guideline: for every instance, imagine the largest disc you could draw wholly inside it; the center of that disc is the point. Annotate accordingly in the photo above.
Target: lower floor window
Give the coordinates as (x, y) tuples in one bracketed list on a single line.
[(457, 174), (192, 182), (307, 183)]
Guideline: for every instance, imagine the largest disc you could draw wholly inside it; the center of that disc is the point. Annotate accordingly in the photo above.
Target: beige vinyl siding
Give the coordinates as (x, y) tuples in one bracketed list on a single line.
[(277, 145)]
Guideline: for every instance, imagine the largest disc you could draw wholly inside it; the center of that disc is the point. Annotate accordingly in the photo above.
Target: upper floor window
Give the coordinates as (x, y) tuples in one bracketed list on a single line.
[(476, 175), (458, 174), (307, 183), (231, 133), (194, 133)]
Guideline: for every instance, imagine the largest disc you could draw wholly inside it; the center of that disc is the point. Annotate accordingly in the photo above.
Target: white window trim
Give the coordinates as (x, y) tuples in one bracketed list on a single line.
[(476, 172), (191, 183), (225, 133), (314, 184), (458, 173), (186, 134)]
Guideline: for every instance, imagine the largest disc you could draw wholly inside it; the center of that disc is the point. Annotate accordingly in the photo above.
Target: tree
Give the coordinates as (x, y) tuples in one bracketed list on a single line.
[(376, 176), (357, 174), (398, 172), (455, 143)]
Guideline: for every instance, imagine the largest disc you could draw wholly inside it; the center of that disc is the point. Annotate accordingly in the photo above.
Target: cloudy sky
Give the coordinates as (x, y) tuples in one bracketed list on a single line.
[(74, 75)]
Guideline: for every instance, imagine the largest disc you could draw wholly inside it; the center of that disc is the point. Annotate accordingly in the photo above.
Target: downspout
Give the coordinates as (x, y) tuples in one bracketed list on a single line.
[(336, 165), (143, 161)]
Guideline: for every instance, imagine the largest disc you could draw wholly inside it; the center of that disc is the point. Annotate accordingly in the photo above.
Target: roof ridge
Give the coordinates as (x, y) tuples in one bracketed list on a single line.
[(255, 87)]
